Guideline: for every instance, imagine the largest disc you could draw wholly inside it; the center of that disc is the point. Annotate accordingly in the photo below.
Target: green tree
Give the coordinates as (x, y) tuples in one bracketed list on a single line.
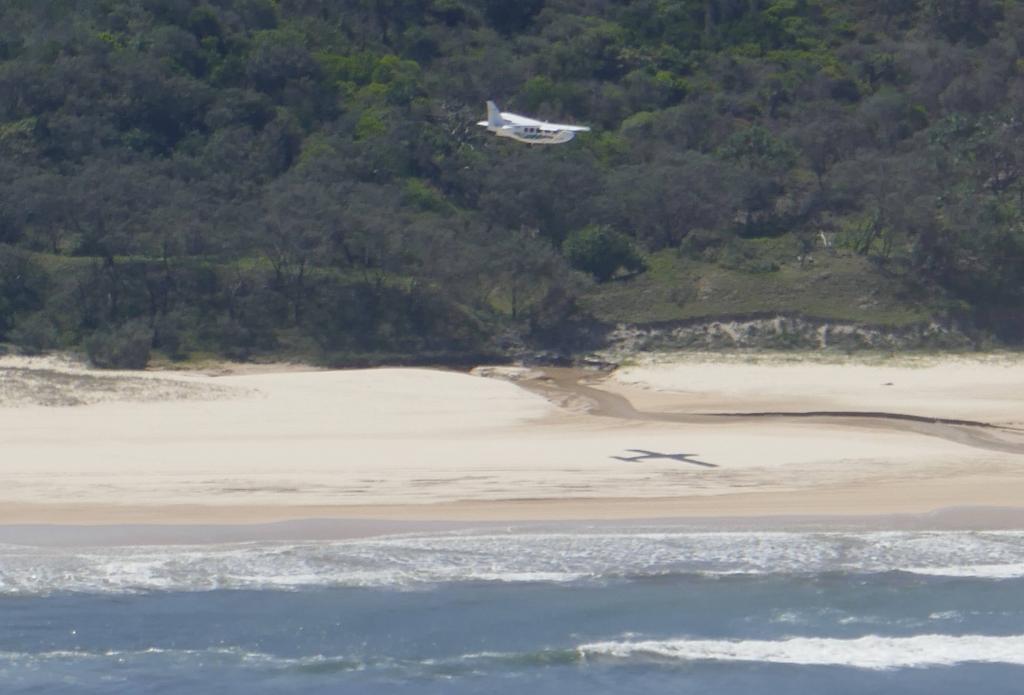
[(602, 252)]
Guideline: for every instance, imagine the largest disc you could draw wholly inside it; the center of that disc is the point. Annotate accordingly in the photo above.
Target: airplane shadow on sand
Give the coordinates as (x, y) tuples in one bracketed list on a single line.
[(644, 455)]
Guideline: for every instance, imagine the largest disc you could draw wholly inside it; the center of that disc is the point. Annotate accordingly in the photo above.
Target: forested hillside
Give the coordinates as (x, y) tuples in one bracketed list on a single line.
[(305, 177)]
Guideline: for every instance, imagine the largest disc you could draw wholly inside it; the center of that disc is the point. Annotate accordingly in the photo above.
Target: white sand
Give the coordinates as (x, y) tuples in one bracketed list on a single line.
[(990, 389), (415, 443)]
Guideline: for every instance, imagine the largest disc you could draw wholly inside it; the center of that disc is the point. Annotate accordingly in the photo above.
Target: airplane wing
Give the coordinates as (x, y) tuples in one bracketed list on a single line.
[(516, 119), (559, 126)]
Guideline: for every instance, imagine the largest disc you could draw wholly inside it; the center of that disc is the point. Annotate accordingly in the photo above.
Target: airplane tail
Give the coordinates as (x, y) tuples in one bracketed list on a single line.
[(494, 119)]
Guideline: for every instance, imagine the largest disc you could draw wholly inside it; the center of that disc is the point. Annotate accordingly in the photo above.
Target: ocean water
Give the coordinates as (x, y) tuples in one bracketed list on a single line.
[(586, 610)]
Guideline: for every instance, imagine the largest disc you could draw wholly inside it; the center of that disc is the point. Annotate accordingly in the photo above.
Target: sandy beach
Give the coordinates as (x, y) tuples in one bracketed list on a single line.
[(695, 436)]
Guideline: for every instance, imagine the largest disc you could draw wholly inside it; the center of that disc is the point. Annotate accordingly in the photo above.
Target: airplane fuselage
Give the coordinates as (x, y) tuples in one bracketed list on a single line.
[(533, 135)]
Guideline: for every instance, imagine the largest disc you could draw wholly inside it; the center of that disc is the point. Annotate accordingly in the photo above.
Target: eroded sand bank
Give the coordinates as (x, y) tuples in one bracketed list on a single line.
[(78, 446)]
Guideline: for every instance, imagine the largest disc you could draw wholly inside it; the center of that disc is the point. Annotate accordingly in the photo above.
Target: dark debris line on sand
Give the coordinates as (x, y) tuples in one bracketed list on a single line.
[(557, 383)]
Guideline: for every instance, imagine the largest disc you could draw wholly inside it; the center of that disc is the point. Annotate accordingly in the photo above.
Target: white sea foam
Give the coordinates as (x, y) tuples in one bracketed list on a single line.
[(594, 555), (871, 652), (946, 615), (221, 655), (1007, 571), (237, 656)]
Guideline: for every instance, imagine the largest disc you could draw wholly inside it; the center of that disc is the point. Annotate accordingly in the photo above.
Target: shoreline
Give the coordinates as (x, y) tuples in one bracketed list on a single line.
[(220, 531), (973, 504)]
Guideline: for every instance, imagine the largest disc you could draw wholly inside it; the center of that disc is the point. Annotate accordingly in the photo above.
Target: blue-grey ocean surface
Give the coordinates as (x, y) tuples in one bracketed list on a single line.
[(598, 610)]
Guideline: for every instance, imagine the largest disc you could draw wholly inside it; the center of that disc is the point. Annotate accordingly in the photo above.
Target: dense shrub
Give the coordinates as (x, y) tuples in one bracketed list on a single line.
[(35, 334), (124, 347)]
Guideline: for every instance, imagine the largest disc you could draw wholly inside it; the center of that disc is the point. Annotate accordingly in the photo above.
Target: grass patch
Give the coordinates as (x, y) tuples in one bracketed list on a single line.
[(839, 287)]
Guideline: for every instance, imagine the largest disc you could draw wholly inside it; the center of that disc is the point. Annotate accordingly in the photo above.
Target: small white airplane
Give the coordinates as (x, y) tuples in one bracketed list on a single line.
[(523, 129)]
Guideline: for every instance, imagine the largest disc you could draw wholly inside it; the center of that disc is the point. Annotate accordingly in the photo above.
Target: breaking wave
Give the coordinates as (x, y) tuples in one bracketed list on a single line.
[(871, 652), (581, 556)]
